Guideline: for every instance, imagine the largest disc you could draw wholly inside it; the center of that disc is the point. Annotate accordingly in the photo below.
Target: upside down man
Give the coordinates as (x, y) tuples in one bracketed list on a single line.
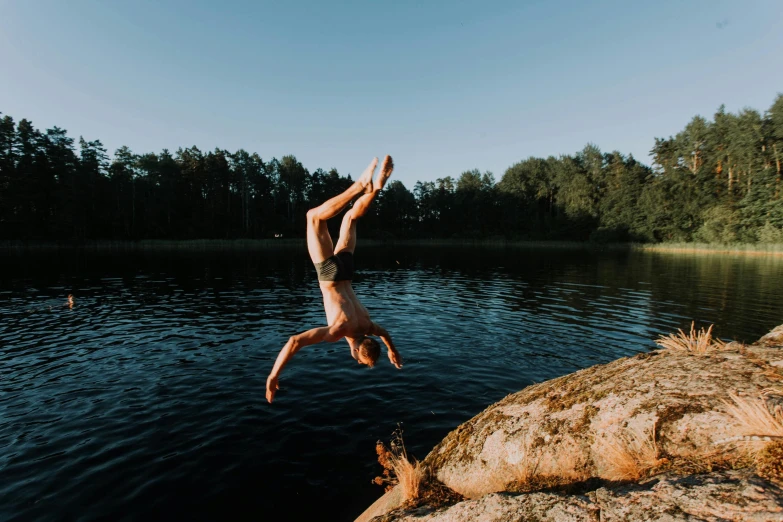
[(346, 316)]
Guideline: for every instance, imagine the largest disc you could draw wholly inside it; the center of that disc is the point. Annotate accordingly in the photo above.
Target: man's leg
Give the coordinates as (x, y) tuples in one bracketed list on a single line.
[(319, 242), (347, 241)]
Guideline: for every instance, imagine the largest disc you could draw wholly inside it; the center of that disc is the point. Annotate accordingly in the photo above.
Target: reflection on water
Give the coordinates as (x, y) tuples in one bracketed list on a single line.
[(147, 396)]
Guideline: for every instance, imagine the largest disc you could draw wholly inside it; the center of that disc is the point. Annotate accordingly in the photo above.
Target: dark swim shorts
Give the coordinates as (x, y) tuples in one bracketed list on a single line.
[(339, 267)]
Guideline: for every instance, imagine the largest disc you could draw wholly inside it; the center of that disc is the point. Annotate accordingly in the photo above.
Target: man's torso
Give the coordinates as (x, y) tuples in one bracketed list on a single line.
[(343, 307)]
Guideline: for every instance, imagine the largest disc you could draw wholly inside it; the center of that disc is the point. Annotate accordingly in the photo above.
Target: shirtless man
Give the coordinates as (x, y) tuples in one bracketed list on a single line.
[(345, 314)]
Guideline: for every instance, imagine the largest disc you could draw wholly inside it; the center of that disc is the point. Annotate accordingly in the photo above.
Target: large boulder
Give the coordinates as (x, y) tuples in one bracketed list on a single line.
[(674, 401), (617, 422)]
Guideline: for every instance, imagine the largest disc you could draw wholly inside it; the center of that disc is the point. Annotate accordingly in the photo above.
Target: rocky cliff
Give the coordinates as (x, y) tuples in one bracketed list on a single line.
[(690, 432)]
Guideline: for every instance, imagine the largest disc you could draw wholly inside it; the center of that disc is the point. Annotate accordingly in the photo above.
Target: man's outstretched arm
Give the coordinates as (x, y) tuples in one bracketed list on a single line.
[(394, 355), (294, 344)]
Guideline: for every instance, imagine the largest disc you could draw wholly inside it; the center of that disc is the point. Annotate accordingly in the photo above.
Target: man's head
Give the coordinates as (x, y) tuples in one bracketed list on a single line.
[(368, 351)]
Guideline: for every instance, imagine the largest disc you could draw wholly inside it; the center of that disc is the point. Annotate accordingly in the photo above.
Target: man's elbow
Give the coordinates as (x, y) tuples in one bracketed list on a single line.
[(336, 332), (294, 343)]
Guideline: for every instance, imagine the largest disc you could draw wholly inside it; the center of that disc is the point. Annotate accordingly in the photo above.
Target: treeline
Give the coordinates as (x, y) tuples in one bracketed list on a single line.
[(718, 180)]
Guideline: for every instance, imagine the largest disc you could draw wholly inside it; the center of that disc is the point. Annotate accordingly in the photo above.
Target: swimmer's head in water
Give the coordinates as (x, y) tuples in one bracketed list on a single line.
[(368, 351)]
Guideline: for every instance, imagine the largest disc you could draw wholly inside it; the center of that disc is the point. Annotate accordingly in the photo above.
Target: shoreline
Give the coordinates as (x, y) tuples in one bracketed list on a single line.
[(207, 245)]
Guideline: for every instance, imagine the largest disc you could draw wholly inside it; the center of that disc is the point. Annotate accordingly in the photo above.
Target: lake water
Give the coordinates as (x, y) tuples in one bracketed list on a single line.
[(146, 399)]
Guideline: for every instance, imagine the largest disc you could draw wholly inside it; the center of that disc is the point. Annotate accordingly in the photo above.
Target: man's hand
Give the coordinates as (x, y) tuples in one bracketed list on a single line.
[(271, 388), (380, 331), (395, 358)]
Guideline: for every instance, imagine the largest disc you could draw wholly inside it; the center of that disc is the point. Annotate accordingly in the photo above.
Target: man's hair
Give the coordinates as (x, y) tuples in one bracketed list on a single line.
[(370, 350)]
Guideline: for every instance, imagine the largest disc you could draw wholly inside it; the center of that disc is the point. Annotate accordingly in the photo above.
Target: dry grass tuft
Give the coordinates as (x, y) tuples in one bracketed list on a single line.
[(755, 418), (628, 456), (399, 469), (410, 476), (769, 462), (386, 479), (698, 342)]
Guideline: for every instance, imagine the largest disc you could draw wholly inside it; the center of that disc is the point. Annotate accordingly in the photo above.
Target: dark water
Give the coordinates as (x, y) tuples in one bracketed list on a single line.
[(146, 399)]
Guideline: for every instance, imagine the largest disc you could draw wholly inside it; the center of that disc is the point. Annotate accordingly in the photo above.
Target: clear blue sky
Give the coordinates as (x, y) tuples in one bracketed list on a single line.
[(442, 86)]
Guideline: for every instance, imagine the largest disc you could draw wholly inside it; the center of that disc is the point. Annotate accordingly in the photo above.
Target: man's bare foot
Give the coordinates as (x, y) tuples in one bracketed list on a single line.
[(386, 170), (365, 180)]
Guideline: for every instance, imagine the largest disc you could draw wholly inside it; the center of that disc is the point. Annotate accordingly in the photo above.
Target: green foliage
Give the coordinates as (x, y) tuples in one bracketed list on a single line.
[(720, 225), (716, 181), (605, 235), (770, 234)]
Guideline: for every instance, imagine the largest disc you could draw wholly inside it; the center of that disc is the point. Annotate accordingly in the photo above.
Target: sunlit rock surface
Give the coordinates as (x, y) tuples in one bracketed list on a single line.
[(664, 407)]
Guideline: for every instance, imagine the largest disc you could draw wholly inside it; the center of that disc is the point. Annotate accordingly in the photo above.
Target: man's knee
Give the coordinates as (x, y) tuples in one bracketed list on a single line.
[(313, 216), (350, 217)]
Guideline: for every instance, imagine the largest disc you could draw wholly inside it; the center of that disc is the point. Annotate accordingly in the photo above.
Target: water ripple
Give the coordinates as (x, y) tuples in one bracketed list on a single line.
[(148, 395)]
